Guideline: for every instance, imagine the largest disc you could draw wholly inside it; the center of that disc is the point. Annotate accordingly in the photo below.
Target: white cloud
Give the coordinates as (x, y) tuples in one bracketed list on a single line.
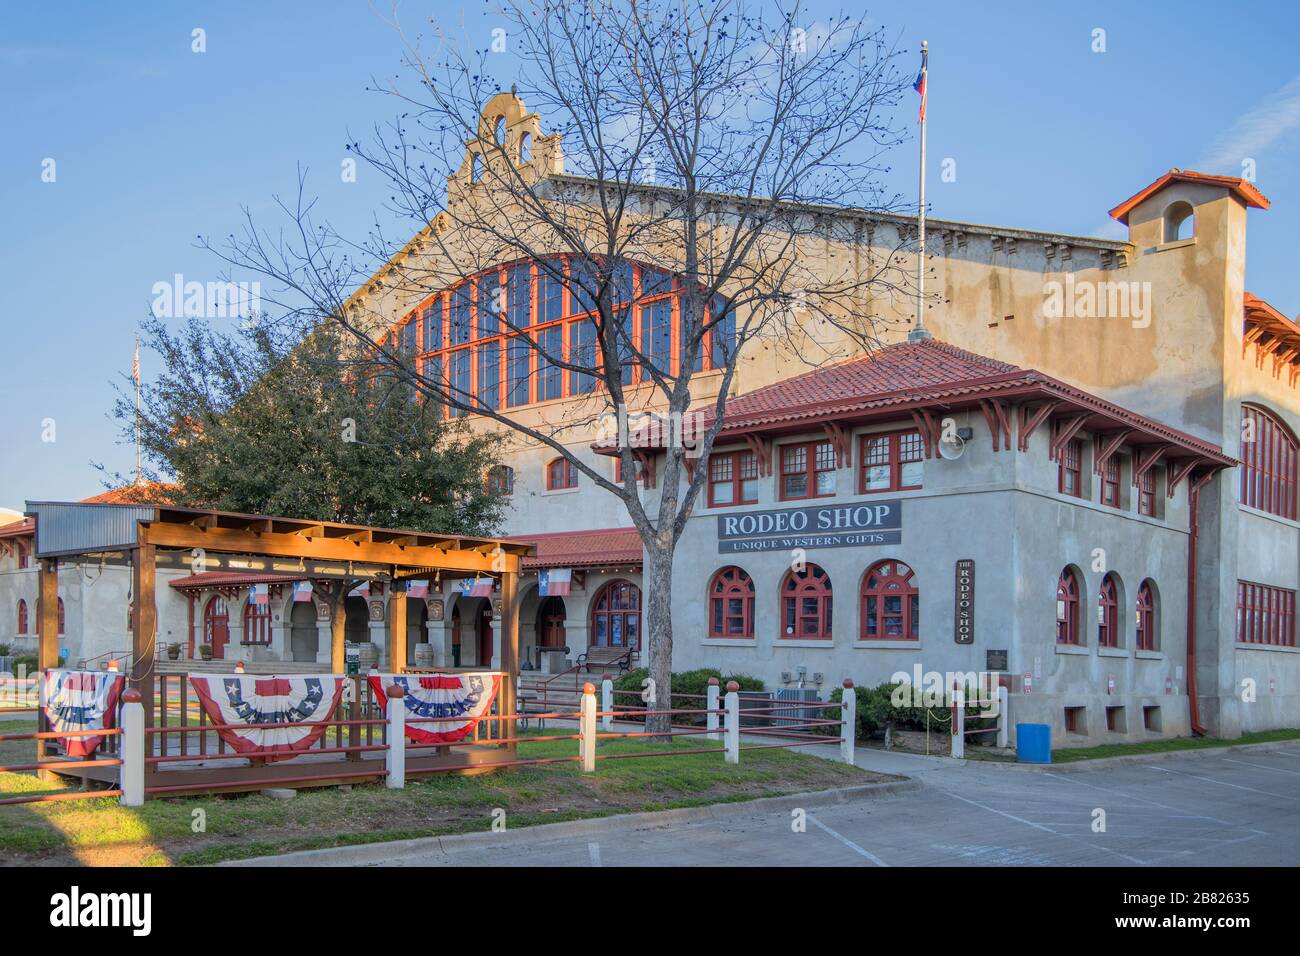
[(1254, 131)]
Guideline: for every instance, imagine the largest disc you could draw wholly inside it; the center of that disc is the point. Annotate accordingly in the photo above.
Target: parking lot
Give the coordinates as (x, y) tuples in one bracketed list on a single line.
[(1229, 808)]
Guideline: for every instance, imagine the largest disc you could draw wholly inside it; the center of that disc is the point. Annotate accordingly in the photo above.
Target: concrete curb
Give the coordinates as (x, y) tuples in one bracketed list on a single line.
[(1075, 766), (369, 853)]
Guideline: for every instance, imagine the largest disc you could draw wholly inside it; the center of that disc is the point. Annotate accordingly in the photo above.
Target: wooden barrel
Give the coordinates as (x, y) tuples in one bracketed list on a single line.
[(423, 655), (369, 656)]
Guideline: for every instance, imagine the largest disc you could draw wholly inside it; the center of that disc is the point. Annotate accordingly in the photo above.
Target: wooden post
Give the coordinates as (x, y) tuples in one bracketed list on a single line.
[(47, 647), (338, 626), (509, 651), (143, 624), (397, 627)]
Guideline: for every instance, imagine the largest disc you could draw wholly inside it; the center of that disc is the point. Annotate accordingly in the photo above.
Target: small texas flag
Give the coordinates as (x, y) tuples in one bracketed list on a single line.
[(417, 589), (259, 594), (301, 591), (919, 85), (476, 587), (554, 582)]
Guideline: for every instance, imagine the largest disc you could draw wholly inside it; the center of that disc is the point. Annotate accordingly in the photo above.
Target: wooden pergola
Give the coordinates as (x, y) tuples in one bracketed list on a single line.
[(66, 530)]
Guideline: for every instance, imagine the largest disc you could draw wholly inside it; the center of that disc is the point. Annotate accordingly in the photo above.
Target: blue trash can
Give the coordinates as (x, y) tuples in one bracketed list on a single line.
[(1033, 743)]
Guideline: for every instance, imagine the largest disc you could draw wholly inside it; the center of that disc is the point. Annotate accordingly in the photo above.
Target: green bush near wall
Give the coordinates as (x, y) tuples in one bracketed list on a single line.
[(876, 709), (686, 684)]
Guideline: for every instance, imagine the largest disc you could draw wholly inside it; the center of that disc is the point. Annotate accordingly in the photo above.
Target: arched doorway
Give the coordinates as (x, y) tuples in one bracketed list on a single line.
[(455, 635), (356, 626), (484, 633), (550, 622), (616, 616), (304, 639), (216, 626), (417, 617)]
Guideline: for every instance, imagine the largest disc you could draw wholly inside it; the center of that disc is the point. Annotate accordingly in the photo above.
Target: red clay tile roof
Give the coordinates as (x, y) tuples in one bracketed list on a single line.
[(583, 549), (145, 493), (1240, 188), (911, 367), (230, 579), (18, 528)]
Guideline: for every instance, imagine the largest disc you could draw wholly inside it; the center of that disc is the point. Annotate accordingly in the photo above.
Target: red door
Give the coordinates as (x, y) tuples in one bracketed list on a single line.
[(216, 626), (552, 616)]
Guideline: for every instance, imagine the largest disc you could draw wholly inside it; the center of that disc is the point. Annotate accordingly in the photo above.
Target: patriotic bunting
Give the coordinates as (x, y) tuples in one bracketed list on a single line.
[(554, 582), (440, 695), (80, 700), (307, 700)]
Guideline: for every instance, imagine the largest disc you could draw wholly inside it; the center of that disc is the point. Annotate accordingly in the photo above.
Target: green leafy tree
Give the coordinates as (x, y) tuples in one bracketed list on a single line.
[(247, 421)]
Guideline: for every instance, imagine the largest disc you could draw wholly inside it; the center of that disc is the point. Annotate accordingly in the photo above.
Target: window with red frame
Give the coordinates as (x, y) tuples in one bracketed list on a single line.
[(733, 479), (1110, 482), (1067, 608), (891, 603), (501, 480), (1268, 463), (731, 604), (807, 470), (22, 616), (1146, 617), (257, 623), (1070, 469), (561, 473), (1147, 493), (806, 604), (24, 556), (1265, 615), (639, 469), (891, 462), (1108, 612)]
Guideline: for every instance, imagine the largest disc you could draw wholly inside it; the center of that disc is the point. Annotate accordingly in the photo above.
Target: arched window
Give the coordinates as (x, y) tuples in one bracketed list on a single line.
[(1268, 463), (1180, 221), (1146, 617), (22, 616), (561, 473), (806, 605), (616, 616), (257, 623), (1108, 612), (499, 131), (891, 604), (731, 604), (526, 148), (1067, 608), (501, 480), (60, 615)]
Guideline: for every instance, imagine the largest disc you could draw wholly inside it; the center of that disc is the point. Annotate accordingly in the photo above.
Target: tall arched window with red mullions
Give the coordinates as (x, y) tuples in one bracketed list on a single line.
[(891, 603), (616, 616), (1108, 612), (731, 604), (806, 604), (22, 616), (1268, 463), (1067, 608), (1146, 617)]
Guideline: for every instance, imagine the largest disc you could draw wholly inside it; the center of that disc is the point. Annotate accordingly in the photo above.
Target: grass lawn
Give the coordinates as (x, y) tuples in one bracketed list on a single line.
[(100, 832)]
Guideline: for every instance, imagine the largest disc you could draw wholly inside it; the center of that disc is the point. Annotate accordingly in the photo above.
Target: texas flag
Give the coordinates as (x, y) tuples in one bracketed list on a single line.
[(301, 591), (476, 587), (554, 582), (417, 589), (919, 85), (259, 594)]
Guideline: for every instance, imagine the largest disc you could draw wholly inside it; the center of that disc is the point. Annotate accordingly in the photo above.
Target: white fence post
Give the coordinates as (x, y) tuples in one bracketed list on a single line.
[(587, 728), (132, 749), (607, 703), (1004, 718), (731, 730), (711, 705), (395, 755), (849, 714), (958, 720)]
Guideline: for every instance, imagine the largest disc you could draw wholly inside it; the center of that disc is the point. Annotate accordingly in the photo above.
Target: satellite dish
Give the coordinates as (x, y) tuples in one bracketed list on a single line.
[(951, 448)]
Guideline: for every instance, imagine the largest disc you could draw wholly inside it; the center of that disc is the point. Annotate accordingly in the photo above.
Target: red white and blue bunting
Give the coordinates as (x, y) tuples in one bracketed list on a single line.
[(80, 700), (308, 701), (465, 696)]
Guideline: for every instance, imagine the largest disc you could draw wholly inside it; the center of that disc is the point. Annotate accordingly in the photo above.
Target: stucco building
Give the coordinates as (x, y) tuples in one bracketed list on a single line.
[(1081, 474)]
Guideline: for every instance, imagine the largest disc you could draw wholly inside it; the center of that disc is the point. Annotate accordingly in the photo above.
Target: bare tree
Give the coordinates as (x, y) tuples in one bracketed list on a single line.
[(728, 146)]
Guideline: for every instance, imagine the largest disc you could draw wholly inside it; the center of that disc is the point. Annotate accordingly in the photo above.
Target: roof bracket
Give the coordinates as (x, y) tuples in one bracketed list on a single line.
[(928, 428), (1065, 434), (762, 450), (1110, 444), (1029, 423), (995, 414), (1146, 459), (840, 439)]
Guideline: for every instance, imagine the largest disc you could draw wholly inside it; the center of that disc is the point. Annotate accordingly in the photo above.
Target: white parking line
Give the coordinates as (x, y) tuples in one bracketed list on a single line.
[(847, 842), (1223, 783), (1263, 766), (593, 851)]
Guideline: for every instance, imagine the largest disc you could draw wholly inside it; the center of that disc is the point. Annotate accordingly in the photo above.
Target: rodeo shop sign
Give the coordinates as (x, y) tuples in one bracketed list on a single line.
[(821, 526)]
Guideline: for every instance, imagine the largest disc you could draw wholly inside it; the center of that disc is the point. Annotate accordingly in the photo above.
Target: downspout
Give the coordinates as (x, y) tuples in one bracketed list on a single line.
[(1193, 504)]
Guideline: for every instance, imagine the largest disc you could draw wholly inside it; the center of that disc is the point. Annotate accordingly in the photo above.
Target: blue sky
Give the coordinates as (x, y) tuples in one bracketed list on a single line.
[(155, 144)]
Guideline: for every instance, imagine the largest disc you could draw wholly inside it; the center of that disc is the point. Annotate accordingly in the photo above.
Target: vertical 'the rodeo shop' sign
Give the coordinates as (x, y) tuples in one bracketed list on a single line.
[(964, 618)]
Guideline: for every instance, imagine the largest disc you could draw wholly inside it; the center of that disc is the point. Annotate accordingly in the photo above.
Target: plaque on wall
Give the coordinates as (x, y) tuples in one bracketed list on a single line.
[(964, 618), (995, 660)]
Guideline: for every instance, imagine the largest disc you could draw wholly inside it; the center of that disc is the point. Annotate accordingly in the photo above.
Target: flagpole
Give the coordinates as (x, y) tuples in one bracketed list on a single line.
[(919, 331), (139, 468)]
